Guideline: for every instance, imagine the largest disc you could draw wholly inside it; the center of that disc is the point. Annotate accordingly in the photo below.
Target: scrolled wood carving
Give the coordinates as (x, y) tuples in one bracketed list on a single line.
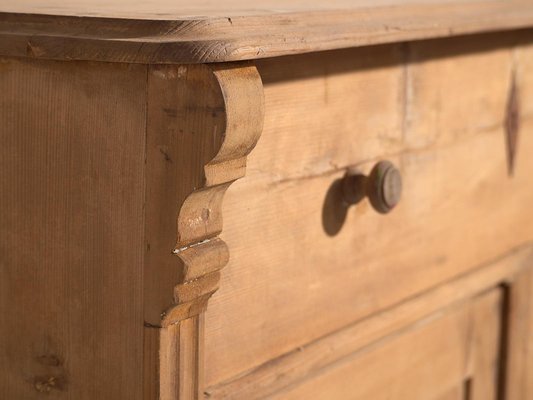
[(203, 120), (199, 221)]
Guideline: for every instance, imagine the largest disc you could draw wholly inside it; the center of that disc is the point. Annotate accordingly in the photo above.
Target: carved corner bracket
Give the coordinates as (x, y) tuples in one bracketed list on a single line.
[(199, 220), (203, 120)]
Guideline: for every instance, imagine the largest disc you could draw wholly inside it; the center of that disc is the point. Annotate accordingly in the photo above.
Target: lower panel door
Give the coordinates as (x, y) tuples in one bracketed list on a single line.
[(452, 355)]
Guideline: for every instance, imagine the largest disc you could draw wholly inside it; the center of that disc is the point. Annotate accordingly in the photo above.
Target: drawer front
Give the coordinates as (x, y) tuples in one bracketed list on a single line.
[(304, 265), (452, 357)]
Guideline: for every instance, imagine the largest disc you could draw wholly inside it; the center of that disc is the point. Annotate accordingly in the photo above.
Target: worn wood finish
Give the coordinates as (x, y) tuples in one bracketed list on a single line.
[(420, 363), (175, 32), (202, 122), (114, 176), (181, 360), (71, 241), (519, 339), (311, 358), (75, 140), (417, 100), (484, 342), (219, 110), (311, 255)]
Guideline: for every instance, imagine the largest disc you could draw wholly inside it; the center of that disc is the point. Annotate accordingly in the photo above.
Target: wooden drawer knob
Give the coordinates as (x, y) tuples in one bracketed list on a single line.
[(383, 187)]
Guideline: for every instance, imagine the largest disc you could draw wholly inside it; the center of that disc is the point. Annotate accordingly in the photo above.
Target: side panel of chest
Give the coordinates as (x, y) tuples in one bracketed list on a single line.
[(71, 247)]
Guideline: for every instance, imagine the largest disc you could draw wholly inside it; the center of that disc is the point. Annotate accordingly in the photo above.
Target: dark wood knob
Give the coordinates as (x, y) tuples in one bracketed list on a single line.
[(383, 187)]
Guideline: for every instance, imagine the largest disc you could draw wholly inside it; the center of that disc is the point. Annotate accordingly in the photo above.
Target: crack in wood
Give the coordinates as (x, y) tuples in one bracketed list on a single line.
[(512, 123)]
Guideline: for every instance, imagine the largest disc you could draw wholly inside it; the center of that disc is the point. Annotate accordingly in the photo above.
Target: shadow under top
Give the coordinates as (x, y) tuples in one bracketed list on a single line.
[(179, 31)]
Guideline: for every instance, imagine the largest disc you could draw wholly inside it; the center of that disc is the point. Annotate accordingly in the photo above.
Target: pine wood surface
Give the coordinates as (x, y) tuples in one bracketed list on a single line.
[(519, 352), (71, 233), (177, 32), (97, 163), (318, 267), (114, 177), (202, 123), (197, 141), (448, 350), (308, 360)]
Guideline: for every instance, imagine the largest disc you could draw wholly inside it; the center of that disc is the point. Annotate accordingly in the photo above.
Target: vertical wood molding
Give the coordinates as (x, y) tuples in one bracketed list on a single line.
[(203, 120), (519, 338)]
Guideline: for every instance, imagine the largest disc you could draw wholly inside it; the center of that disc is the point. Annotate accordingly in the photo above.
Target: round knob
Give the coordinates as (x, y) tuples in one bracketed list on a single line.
[(383, 187)]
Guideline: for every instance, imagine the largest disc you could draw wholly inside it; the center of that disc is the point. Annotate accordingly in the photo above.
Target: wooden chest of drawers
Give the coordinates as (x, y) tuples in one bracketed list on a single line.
[(372, 164)]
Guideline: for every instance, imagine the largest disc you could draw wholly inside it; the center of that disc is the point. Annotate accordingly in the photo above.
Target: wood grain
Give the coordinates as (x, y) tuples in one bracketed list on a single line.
[(178, 98), (381, 100), (202, 123), (120, 167), (114, 177), (175, 32), (519, 351), (181, 346), (71, 237), (418, 364), (312, 256), (311, 358), (484, 346), (167, 9)]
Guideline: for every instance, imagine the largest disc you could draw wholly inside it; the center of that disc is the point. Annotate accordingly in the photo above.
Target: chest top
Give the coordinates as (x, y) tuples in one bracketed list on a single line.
[(180, 31)]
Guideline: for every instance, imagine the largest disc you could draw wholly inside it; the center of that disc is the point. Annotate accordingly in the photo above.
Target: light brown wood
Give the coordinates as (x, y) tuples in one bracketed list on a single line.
[(311, 257), (484, 343), (166, 9), (181, 360), (75, 140), (113, 178), (309, 359), (176, 32), (421, 363), (71, 245), (202, 122), (519, 338), (379, 101), (457, 393)]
